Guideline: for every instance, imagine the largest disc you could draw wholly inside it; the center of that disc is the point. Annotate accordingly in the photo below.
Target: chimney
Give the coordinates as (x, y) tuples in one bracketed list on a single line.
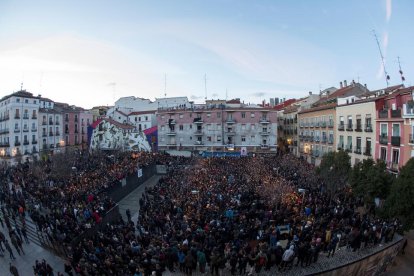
[(340, 84), (310, 93), (345, 83), (365, 85)]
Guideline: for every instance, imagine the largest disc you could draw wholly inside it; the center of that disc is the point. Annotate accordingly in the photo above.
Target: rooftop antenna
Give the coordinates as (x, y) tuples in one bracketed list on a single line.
[(205, 86), (165, 85), (21, 86), (401, 72), (387, 77)]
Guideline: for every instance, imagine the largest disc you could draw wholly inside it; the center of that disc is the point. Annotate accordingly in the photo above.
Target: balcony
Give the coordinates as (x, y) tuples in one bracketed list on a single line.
[(25, 130), (230, 121), (25, 143), (17, 143), (16, 130), (358, 150), (198, 143), (5, 118), (197, 121), (367, 151), (323, 124), (348, 148), (324, 140), (383, 114), (264, 121), (383, 139), (26, 116), (67, 131), (172, 143), (171, 122), (368, 128), (198, 133), (330, 124), (34, 117), (349, 127), (395, 140), (57, 133), (264, 133), (315, 153), (44, 146), (4, 131), (44, 123), (50, 122), (17, 116), (341, 127), (44, 134), (67, 119), (393, 166), (358, 128), (171, 133), (411, 139), (57, 123), (396, 113), (230, 133), (5, 144), (408, 109), (330, 141), (34, 142), (264, 146), (317, 138), (311, 138), (50, 133)]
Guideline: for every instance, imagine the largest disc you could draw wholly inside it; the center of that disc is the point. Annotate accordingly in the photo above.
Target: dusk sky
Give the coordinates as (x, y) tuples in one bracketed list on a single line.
[(90, 53)]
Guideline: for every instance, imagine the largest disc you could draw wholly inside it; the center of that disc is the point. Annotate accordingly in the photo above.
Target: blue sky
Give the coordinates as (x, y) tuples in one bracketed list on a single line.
[(91, 52)]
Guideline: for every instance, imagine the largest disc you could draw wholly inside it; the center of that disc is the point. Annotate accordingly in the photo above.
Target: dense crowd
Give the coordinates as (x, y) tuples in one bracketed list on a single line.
[(234, 214)]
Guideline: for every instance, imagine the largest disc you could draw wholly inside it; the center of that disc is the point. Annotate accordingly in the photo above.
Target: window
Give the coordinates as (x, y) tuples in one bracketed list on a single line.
[(243, 115), (395, 156), (218, 138), (218, 126), (253, 139), (252, 126), (191, 126), (208, 115), (181, 127), (16, 126), (181, 116), (396, 130), (243, 127), (17, 100), (384, 130), (252, 115), (209, 138), (146, 118), (162, 128), (243, 138), (218, 114), (136, 119), (383, 154), (209, 127), (358, 144), (341, 120)]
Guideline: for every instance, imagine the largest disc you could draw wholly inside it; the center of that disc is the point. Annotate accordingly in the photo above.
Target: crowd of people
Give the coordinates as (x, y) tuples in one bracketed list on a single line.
[(242, 214)]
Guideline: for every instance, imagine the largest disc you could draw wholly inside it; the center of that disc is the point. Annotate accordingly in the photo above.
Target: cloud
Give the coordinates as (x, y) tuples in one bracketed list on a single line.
[(388, 9), (259, 94), (195, 97)]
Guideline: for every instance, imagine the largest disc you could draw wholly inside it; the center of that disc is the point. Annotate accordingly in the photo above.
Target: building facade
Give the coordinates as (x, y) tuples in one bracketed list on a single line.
[(217, 128), (356, 128), (393, 128), (317, 132)]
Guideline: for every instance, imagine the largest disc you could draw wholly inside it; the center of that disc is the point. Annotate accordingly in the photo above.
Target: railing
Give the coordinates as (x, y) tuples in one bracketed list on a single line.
[(5, 118), (50, 122), (17, 116), (324, 140), (264, 121), (410, 139), (171, 133), (34, 142), (393, 166), (368, 128), (50, 133), (17, 143), (16, 130), (25, 142), (44, 134), (395, 140), (5, 144), (331, 124), (323, 124), (4, 131), (198, 132), (341, 127), (348, 148), (330, 141), (383, 139), (358, 127), (230, 121), (57, 123), (26, 116), (317, 138), (315, 153), (34, 117), (266, 132), (57, 133), (349, 127), (383, 113), (357, 150), (367, 151), (44, 123), (396, 113)]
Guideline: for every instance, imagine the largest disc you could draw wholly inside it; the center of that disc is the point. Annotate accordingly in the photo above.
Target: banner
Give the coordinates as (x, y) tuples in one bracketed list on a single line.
[(139, 173), (243, 151)]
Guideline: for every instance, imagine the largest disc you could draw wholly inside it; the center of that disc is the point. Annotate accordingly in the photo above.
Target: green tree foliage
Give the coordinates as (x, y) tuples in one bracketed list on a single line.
[(334, 169), (370, 179), (400, 202)]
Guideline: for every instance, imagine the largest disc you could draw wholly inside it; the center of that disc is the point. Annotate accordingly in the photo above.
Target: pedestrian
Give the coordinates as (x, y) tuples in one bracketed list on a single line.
[(24, 233), (7, 245), (13, 270), (128, 214), (404, 246)]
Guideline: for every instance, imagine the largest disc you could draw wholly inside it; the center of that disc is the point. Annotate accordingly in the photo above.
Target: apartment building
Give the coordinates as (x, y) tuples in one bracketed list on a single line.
[(217, 127), (394, 126), (316, 132), (356, 128), (50, 128)]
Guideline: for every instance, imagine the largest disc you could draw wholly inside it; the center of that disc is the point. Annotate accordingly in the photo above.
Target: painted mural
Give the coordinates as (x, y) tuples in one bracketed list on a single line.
[(111, 135)]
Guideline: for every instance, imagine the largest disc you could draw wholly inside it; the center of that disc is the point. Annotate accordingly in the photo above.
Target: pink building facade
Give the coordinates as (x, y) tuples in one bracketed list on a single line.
[(394, 124), (217, 128)]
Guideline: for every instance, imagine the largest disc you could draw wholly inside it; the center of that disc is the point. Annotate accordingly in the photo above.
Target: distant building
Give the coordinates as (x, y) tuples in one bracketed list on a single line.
[(218, 127)]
